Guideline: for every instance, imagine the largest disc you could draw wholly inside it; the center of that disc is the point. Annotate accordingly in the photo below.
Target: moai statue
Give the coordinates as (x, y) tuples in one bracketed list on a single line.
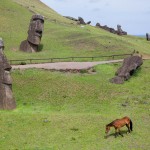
[(81, 20), (147, 37), (34, 34), (119, 30), (128, 68), (98, 25), (6, 97)]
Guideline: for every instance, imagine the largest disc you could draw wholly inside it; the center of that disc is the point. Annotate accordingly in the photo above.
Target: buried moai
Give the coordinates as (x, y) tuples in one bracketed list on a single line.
[(7, 100), (34, 34), (129, 66)]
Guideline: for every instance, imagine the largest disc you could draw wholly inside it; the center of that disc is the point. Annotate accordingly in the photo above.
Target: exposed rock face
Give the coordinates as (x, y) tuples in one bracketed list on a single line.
[(130, 65), (34, 34), (6, 97), (81, 21), (147, 37)]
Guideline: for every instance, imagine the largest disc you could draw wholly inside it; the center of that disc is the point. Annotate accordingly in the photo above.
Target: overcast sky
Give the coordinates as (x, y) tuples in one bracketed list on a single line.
[(132, 15)]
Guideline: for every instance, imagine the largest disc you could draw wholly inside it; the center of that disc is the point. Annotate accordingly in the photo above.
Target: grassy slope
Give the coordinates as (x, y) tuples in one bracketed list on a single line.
[(61, 38), (69, 111)]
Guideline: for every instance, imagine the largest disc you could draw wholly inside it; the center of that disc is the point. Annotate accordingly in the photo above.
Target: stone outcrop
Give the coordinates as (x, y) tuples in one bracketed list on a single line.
[(7, 100), (34, 34), (129, 66)]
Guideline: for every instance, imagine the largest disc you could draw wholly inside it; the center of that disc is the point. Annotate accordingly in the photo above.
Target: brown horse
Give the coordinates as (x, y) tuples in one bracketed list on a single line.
[(118, 123)]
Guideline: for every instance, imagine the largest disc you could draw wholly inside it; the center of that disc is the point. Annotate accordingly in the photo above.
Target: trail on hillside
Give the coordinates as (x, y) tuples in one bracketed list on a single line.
[(64, 65)]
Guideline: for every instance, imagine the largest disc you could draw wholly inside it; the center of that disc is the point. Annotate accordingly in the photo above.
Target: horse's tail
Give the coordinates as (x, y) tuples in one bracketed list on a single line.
[(131, 125)]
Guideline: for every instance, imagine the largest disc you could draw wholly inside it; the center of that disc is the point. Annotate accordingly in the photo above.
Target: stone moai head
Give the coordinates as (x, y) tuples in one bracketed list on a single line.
[(6, 97), (34, 34), (36, 29), (119, 30)]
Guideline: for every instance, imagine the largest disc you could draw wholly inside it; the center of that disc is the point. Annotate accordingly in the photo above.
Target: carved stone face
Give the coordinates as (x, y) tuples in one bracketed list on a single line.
[(36, 29), (119, 28), (6, 97)]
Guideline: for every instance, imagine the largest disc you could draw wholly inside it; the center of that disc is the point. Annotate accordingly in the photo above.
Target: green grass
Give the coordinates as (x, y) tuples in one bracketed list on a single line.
[(61, 38), (70, 111)]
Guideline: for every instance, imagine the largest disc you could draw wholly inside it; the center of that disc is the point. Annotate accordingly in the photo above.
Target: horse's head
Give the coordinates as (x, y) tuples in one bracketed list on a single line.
[(107, 129)]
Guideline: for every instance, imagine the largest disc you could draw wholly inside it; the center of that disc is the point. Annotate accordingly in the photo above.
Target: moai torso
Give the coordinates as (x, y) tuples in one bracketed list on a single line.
[(119, 30), (34, 34), (6, 97)]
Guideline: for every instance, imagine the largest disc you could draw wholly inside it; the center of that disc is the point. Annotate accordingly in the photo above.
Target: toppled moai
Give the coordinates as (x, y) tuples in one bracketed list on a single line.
[(7, 100), (34, 34), (147, 36), (129, 66)]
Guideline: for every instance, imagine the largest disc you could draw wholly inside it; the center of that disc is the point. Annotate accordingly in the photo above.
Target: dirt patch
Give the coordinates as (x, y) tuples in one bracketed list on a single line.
[(145, 56), (88, 44)]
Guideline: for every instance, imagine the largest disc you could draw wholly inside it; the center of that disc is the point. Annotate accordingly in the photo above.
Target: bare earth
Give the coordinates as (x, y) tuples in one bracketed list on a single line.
[(64, 65)]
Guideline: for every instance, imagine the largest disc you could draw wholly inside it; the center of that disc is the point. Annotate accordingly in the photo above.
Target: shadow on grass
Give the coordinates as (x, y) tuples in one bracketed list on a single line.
[(40, 48), (124, 132)]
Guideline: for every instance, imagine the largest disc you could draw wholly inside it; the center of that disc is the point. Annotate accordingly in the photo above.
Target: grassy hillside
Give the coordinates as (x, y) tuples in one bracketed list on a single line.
[(61, 37), (69, 111)]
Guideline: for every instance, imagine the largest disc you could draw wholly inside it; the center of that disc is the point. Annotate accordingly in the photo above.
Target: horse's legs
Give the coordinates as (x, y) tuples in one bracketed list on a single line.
[(127, 125), (128, 128), (116, 133), (120, 132)]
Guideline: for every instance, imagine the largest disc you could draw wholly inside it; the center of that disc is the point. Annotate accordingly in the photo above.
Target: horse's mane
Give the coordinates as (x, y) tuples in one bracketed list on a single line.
[(111, 124)]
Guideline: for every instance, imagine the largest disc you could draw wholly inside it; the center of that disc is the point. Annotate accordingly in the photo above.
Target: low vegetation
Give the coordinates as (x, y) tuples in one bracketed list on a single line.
[(70, 111)]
